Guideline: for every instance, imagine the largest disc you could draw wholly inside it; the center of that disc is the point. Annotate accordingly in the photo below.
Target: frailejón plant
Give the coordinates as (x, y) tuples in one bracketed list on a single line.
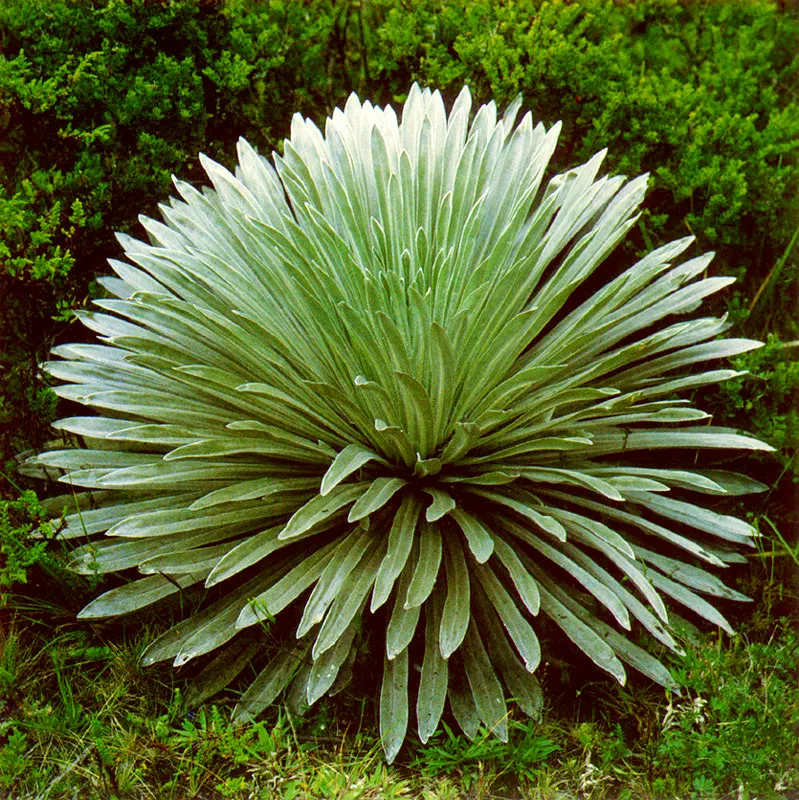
[(361, 381)]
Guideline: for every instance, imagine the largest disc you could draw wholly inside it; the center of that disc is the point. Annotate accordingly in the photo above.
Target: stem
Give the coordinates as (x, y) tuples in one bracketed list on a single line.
[(775, 270)]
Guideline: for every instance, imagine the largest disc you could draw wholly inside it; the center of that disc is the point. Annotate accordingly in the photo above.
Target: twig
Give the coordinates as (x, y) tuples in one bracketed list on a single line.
[(775, 271), (76, 763)]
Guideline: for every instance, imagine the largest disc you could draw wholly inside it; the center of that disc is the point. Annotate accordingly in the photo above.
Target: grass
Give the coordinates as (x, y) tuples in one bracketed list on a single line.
[(80, 718)]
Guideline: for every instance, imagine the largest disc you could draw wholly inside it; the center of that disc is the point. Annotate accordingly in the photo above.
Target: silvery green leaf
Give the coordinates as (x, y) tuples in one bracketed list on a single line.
[(577, 523), (245, 553), (443, 364), (702, 352), (118, 554), (721, 525), (348, 460), (137, 594), (349, 599), (691, 546), (441, 506), (380, 491), (427, 566), (417, 401), (462, 440), (201, 559), (296, 695), (455, 616), (326, 667), (253, 490), (320, 509), (434, 678), (493, 478), (486, 689), (691, 600), (162, 474), (94, 459), (734, 483), (524, 583), (542, 520), (627, 565), (698, 482), (636, 483), (704, 437), (518, 628), (345, 674), (400, 540), (341, 563), (691, 576), (404, 619), (573, 478), (477, 535), (165, 522), (271, 681), (394, 704), (92, 515)]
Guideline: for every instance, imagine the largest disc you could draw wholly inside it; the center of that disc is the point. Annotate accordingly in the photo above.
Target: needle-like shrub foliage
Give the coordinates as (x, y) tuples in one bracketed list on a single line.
[(367, 380)]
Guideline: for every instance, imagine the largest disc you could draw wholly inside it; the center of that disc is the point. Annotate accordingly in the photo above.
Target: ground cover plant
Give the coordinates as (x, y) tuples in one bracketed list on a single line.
[(373, 372)]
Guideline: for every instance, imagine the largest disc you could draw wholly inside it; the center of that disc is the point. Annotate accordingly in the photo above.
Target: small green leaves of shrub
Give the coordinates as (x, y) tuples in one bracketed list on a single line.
[(20, 547), (766, 395), (365, 381)]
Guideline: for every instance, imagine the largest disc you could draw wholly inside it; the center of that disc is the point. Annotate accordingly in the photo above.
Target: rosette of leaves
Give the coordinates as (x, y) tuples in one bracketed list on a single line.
[(363, 380)]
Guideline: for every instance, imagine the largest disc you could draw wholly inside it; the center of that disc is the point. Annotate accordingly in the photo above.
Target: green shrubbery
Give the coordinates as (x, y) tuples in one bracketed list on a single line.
[(19, 550), (732, 698)]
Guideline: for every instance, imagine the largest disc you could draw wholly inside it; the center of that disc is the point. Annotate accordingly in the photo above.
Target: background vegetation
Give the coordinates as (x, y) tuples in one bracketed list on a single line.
[(101, 101)]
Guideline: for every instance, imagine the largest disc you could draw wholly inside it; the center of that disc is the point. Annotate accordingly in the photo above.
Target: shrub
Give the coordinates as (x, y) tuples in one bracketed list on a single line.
[(371, 375), (20, 547)]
